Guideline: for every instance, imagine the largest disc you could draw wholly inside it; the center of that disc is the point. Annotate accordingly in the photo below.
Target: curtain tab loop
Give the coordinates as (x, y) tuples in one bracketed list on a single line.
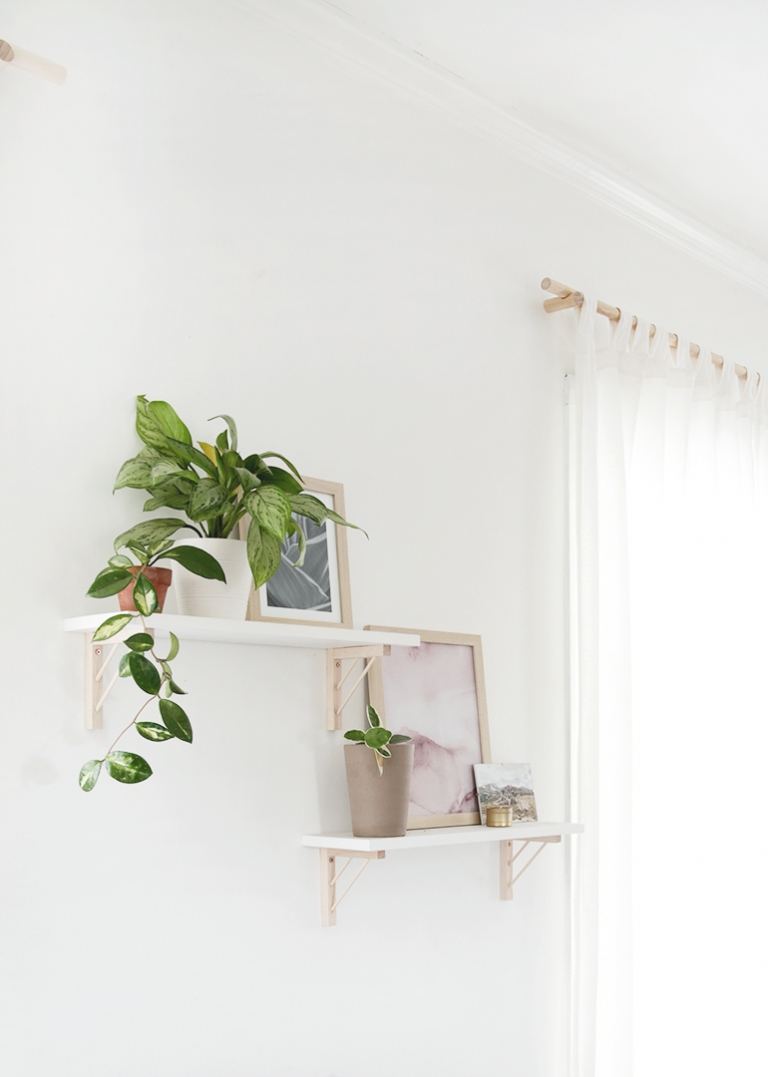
[(620, 335)]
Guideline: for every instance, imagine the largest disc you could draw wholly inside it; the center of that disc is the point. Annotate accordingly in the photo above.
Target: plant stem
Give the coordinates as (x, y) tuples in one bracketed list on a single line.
[(145, 704), (132, 722)]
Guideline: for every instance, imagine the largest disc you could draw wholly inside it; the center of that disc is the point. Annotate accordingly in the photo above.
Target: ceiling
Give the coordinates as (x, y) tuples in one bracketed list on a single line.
[(670, 95)]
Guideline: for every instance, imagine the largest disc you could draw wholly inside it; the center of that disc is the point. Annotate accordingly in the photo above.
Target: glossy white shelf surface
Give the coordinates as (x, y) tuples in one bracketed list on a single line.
[(258, 633), (451, 835)]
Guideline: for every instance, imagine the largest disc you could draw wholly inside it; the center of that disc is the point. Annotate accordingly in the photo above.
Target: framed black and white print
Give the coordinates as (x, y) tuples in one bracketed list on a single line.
[(318, 592)]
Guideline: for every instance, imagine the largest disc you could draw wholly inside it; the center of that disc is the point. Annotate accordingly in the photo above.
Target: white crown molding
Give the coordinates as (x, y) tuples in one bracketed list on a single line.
[(359, 49)]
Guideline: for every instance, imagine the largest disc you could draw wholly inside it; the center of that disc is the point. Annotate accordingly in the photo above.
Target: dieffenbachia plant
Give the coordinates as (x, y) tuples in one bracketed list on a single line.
[(215, 487), (376, 737)]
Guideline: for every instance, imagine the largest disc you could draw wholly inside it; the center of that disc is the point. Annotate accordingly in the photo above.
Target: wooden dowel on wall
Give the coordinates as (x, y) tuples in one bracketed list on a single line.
[(568, 297)]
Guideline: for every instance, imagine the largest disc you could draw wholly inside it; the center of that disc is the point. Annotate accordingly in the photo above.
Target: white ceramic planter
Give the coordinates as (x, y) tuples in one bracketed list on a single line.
[(197, 597)]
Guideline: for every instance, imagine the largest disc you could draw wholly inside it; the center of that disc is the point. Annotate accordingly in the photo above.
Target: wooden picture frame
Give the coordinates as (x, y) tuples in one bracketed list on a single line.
[(439, 699), (335, 553)]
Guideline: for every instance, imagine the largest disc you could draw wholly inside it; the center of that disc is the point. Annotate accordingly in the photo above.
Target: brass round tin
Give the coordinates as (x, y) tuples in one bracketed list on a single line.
[(498, 817)]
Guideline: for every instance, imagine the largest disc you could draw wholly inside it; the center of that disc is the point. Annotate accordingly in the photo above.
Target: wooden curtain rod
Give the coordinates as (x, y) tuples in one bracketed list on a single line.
[(29, 61), (567, 297)]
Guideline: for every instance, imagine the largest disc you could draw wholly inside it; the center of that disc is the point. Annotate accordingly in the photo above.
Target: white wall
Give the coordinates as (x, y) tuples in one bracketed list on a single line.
[(211, 214)]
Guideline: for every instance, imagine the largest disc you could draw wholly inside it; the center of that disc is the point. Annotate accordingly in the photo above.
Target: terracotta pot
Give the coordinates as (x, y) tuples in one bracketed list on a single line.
[(198, 597), (160, 578), (379, 802)]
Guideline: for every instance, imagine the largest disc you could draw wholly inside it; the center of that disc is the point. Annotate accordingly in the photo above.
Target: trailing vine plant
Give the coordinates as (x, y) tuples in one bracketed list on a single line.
[(149, 542)]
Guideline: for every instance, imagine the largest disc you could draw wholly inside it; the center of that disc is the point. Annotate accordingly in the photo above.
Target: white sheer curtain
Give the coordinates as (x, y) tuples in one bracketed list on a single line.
[(669, 580)]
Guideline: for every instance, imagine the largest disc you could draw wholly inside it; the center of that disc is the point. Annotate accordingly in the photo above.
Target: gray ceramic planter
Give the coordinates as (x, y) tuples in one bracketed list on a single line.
[(379, 802)]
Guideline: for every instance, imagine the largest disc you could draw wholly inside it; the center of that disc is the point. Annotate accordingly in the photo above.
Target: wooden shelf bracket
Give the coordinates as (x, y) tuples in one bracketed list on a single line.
[(335, 677), (330, 874), (508, 857), (98, 657)]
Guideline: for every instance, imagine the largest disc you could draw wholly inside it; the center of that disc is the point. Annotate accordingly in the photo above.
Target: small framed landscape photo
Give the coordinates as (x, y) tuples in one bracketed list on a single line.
[(506, 785), (317, 593), (435, 694)]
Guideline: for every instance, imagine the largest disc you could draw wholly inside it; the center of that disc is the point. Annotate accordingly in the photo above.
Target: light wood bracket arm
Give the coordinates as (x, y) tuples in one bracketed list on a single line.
[(335, 677), (98, 657), (330, 873), (508, 857)]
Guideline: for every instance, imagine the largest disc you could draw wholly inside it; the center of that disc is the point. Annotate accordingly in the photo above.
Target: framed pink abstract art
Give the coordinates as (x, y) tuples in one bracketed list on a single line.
[(435, 694)]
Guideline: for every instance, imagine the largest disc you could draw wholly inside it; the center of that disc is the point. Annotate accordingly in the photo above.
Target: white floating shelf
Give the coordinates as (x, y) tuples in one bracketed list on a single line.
[(338, 643), (258, 633), (334, 847), (449, 835)]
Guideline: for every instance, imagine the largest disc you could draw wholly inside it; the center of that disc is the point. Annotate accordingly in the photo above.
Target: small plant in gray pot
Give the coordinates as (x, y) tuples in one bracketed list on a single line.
[(379, 780)]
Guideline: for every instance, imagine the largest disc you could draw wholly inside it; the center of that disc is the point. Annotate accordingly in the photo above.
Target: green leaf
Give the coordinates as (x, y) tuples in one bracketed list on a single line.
[(399, 738), (222, 442), (147, 426), (176, 720), (159, 548), (139, 550), (124, 670), (169, 422), (167, 497), (109, 582), (145, 596), (127, 767), (207, 500), (149, 532), (153, 731), (355, 734), (134, 473), (294, 529), (166, 470), (310, 506), (120, 561), (144, 673), (383, 752), (285, 461), (175, 688), (141, 641), (373, 717), (275, 476), (232, 428), (112, 626), (254, 464), (270, 509), (345, 523), (263, 552), (172, 653), (377, 738), (89, 774), (198, 561), (232, 459), (247, 480), (188, 454)]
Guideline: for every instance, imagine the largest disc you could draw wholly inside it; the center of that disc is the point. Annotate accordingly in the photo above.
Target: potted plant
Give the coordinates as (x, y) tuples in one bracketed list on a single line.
[(379, 780), (216, 488), (142, 586)]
